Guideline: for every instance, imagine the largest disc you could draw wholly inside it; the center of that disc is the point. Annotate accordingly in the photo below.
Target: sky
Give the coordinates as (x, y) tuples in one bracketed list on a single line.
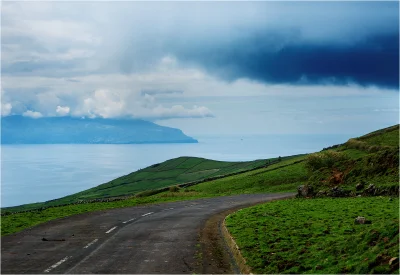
[(207, 68)]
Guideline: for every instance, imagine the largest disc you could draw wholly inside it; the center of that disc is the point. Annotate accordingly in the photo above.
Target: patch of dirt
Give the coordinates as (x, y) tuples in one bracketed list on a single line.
[(215, 258)]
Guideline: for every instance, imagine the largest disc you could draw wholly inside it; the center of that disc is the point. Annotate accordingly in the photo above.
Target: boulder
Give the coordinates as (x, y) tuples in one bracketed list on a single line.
[(304, 191), (359, 186), (370, 190), (337, 192), (321, 194)]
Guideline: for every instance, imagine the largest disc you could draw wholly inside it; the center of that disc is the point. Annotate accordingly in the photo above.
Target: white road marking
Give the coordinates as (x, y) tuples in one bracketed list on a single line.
[(147, 214), (111, 230), (92, 242), (129, 220), (57, 264)]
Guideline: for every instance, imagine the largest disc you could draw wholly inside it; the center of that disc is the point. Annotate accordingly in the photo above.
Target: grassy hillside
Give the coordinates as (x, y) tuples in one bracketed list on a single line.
[(171, 172), (368, 165), (320, 235), (284, 176)]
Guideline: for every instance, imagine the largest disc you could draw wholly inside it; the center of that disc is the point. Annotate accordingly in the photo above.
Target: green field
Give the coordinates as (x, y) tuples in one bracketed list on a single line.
[(318, 236), (284, 176), (171, 172)]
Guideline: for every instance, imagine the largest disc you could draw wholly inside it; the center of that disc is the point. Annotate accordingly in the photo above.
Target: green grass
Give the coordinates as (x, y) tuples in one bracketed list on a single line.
[(280, 179), (318, 236), (370, 159), (171, 172), (384, 137)]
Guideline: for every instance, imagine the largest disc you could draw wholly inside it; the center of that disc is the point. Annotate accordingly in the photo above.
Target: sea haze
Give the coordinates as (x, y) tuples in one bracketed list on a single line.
[(35, 173)]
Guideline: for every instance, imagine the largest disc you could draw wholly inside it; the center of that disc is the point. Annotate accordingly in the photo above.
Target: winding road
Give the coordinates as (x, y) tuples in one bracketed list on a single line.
[(159, 238)]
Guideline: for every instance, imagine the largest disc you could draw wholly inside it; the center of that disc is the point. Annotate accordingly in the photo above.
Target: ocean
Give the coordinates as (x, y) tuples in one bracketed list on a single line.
[(36, 173)]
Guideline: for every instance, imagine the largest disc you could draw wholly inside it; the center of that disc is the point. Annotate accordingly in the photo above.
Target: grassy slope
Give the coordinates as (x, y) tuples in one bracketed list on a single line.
[(170, 172), (284, 176), (370, 159), (318, 236)]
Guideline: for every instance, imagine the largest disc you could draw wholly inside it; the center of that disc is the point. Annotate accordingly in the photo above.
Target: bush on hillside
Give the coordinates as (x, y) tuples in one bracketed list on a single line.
[(324, 160)]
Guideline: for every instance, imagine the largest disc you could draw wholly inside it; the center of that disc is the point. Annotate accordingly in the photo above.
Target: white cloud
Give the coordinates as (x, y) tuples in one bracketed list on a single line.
[(32, 114), (5, 109), (62, 111), (102, 103)]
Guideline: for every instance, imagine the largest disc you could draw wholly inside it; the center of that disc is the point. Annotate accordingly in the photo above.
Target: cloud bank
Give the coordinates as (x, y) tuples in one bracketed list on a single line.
[(146, 59)]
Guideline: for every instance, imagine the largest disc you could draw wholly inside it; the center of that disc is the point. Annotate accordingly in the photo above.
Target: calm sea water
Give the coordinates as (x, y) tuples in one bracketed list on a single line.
[(34, 173)]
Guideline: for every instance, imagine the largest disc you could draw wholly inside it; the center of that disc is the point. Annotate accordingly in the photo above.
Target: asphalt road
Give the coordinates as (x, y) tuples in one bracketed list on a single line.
[(158, 238)]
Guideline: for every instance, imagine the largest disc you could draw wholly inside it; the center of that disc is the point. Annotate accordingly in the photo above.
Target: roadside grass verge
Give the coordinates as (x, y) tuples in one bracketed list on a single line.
[(318, 235)]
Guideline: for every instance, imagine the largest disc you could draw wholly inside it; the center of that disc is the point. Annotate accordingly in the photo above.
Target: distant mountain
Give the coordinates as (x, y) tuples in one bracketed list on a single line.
[(64, 130)]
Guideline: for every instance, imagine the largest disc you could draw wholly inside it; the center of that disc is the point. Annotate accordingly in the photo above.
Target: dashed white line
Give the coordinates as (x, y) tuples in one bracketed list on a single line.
[(129, 220), (111, 230), (92, 242), (57, 264), (147, 214)]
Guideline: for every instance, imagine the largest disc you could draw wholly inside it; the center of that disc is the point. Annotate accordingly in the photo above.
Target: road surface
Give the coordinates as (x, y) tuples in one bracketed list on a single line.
[(160, 238)]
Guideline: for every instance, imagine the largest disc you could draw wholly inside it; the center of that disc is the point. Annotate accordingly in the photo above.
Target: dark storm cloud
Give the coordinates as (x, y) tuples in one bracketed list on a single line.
[(291, 43), (373, 61)]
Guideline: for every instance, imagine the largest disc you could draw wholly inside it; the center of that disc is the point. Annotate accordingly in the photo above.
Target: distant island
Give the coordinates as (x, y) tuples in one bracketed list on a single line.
[(71, 130)]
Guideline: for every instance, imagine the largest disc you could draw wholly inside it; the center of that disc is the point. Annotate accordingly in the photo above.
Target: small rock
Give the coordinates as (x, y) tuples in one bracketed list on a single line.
[(337, 192), (304, 191), (370, 189), (359, 196), (359, 186), (361, 220), (394, 261)]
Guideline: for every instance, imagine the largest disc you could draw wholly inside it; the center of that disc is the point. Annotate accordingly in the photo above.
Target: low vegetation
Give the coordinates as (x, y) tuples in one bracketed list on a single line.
[(368, 165), (319, 236)]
